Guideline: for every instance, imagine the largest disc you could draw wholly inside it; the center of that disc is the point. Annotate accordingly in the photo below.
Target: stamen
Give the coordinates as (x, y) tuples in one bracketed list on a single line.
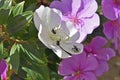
[(75, 49), (53, 31), (58, 43)]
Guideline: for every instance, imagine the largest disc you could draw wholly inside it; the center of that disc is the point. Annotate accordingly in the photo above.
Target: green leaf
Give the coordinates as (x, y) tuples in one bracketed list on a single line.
[(35, 50), (5, 4), (33, 32), (32, 75), (13, 49), (22, 73), (1, 3), (1, 50), (32, 57), (16, 24), (18, 9), (4, 14), (28, 15), (14, 57)]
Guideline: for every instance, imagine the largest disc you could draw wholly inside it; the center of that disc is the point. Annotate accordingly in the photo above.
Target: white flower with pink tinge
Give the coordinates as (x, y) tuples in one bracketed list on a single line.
[(58, 35)]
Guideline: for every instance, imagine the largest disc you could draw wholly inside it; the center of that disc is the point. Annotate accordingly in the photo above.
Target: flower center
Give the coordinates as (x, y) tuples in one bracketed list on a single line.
[(75, 20), (55, 36), (77, 73)]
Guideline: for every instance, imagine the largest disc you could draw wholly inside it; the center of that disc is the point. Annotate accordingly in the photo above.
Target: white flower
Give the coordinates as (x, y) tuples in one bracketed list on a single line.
[(56, 34)]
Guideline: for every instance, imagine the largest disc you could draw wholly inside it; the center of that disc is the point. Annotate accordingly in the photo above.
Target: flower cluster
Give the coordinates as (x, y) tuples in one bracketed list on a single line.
[(112, 27), (64, 26)]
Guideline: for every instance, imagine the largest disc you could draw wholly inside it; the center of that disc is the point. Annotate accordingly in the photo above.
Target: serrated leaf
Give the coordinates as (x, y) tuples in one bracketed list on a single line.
[(16, 24), (18, 9), (4, 14), (14, 57)]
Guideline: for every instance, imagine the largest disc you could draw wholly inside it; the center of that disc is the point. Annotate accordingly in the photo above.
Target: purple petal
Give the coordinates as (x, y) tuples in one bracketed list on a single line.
[(90, 7), (76, 4), (4, 75), (105, 54), (3, 66), (72, 65), (97, 42), (90, 24), (103, 67), (108, 9), (81, 59), (65, 8), (88, 76), (66, 67), (91, 63), (69, 78), (108, 29)]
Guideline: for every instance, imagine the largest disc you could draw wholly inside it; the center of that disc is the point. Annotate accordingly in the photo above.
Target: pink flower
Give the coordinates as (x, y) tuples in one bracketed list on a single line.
[(78, 67), (3, 69), (96, 47), (112, 32), (81, 13), (111, 9)]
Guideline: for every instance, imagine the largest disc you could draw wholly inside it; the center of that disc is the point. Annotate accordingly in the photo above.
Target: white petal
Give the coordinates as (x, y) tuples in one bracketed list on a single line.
[(69, 27), (63, 31), (59, 52), (75, 37), (57, 11), (39, 16), (53, 18), (73, 48), (82, 37), (43, 36)]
